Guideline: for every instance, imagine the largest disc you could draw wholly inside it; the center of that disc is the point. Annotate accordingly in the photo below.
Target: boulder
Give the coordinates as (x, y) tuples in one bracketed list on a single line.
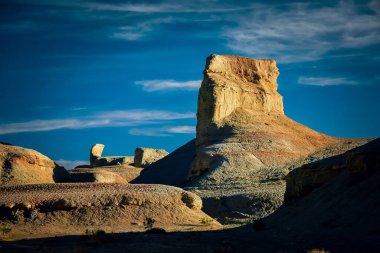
[(126, 172), (173, 169), (96, 152), (147, 156), (96, 158), (96, 176), (20, 166)]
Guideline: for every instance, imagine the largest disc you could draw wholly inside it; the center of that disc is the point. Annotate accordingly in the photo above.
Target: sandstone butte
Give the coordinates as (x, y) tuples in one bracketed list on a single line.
[(245, 145)]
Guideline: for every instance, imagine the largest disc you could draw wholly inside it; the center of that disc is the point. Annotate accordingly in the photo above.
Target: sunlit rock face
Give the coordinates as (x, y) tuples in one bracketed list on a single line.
[(241, 114), (245, 144), (21, 166)]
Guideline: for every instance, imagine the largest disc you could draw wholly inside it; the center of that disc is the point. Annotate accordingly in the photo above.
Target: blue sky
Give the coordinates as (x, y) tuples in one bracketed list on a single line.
[(126, 74)]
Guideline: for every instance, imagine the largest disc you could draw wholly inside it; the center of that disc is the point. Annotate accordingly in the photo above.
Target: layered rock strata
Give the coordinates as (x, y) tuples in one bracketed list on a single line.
[(245, 144)]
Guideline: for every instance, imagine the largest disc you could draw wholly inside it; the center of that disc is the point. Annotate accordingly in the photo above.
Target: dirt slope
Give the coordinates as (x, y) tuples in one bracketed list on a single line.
[(66, 209)]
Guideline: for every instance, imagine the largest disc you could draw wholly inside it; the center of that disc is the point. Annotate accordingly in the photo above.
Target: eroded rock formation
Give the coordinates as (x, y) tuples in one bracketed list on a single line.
[(97, 160), (245, 144), (358, 163), (147, 156), (19, 166), (96, 175), (125, 173)]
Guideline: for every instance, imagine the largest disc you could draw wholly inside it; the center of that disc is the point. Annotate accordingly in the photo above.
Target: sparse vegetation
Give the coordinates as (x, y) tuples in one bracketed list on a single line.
[(149, 223), (5, 230), (98, 232), (318, 251), (205, 221), (155, 231)]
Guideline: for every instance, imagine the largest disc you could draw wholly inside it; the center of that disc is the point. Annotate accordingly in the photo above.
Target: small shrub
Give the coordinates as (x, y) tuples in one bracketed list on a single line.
[(155, 231), (5, 230), (98, 232), (205, 221), (259, 225), (318, 251), (149, 223)]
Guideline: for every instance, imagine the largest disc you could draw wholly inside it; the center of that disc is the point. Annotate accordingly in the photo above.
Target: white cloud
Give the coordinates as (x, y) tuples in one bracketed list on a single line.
[(156, 85), (148, 132), (167, 7), (325, 81), (145, 115), (303, 32), (70, 164), (162, 131), (139, 30), (182, 129), (78, 108), (104, 119)]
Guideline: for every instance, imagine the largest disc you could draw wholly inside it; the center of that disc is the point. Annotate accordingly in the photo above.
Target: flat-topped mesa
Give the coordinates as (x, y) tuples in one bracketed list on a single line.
[(232, 82)]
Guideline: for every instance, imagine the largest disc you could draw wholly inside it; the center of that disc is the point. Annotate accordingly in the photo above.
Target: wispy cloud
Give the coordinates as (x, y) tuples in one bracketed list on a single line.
[(104, 119), (78, 108), (162, 131), (70, 164), (139, 30), (182, 129), (156, 85), (167, 7), (303, 32), (325, 81)]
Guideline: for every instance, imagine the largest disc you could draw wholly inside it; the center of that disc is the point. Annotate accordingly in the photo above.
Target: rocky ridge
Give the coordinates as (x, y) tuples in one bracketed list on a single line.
[(59, 209)]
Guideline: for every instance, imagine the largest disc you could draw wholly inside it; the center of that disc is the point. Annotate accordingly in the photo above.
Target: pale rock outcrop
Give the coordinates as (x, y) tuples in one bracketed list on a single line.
[(88, 174), (96, 152), (170, 170), (96, 175), (20, 166), (147, 156), (97, 160)]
